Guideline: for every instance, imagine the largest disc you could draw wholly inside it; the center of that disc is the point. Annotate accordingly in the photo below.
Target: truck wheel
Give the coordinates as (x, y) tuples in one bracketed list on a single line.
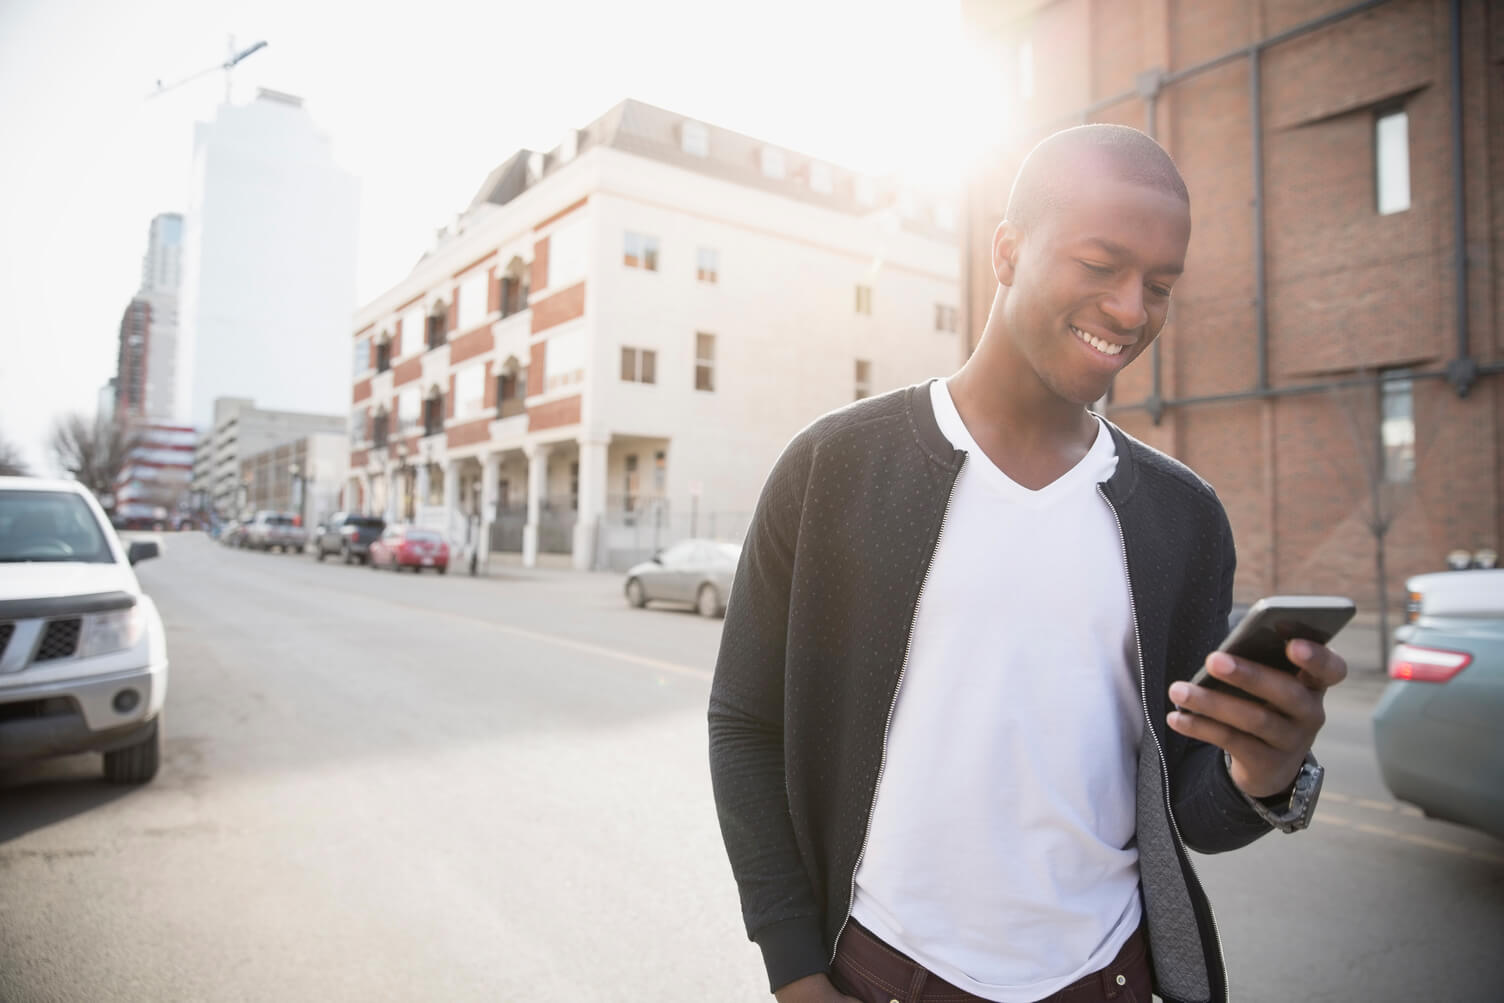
[(135, 764)]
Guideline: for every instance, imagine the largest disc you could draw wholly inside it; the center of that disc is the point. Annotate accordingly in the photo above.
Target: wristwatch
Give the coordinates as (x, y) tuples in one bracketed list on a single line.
[(1295, 815)]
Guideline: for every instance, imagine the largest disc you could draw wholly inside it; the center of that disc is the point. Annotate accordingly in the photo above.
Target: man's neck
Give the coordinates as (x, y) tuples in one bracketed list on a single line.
[(1026, 431)]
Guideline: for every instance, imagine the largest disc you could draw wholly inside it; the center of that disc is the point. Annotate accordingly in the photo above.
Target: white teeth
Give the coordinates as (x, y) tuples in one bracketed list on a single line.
[(1105, 347)]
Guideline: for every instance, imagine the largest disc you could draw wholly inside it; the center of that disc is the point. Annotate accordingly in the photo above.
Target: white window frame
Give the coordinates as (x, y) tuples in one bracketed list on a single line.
[(712, 274), (362, 357), (469, 388), (409, 410), (705, 362), (638, 368), (1397, 426), (774, 164), (474, 297), (864, 299), (863, 380), (1391, 161), (639, 245), (694, 139)]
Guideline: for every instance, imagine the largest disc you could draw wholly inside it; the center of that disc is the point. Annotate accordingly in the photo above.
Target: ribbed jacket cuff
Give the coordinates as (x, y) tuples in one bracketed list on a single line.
[(792, 949)]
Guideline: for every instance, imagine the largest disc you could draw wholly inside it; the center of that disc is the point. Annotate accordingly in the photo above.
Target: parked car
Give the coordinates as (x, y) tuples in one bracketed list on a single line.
[(83, 656), (691, 571), (1437, 727), (401, 547), (278, 530), (349, 535)]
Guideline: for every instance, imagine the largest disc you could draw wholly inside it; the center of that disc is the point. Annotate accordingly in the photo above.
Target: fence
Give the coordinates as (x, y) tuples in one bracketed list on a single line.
[(629, 536)]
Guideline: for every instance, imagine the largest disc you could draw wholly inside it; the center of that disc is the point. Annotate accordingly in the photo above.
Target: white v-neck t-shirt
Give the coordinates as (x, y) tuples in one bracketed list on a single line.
[(1001, 853)]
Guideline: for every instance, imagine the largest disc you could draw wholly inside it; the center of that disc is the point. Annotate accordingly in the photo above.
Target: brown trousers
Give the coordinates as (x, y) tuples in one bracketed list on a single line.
[(873, 972)]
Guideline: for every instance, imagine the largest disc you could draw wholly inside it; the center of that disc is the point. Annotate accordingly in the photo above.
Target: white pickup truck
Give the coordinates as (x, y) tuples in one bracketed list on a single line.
[(83, 656)]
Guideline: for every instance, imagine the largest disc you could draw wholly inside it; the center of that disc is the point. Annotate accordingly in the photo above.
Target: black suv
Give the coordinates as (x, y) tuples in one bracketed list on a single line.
[(348, 535)]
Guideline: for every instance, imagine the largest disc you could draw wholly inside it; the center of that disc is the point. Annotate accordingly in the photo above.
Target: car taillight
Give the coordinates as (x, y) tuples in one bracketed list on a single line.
[(1412, 607), (1426, 665)]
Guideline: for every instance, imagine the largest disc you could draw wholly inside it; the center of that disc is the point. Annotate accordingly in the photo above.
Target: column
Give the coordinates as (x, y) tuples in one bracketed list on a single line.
[(367, 503), (420, 493), (592, 501), (490, 474), (391, 494), (452, 503), (537, 484)]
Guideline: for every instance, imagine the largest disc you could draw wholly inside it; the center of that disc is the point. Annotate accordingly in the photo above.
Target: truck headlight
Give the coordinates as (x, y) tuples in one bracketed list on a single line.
[(116, 630)]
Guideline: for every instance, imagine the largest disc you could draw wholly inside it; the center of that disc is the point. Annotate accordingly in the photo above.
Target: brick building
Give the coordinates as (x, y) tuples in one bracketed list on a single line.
[(612, 344), (1326, 366)]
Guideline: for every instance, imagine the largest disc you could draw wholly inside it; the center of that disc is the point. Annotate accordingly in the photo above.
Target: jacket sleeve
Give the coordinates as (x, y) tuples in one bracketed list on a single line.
[(746, 737), (1213, 815)]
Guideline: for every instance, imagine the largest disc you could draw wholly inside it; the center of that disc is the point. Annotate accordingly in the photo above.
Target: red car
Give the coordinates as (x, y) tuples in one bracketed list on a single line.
[(410, 547)]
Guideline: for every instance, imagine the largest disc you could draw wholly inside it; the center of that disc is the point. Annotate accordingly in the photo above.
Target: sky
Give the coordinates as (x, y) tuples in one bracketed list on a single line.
[(420, 102)]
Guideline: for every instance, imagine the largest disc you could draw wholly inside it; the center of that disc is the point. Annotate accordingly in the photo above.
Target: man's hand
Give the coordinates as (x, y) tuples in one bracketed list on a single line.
[(813, 989), (1267, 744)]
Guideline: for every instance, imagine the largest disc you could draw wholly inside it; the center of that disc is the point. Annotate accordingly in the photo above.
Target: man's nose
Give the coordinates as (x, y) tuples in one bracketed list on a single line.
[(1125, 305)]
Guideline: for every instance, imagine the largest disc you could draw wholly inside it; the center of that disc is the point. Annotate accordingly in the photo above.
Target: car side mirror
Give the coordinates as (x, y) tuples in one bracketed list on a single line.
[(142, 550)]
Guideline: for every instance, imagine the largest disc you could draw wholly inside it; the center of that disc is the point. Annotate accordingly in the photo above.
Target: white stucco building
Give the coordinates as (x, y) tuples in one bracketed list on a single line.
[(268, 269), (620, 335)]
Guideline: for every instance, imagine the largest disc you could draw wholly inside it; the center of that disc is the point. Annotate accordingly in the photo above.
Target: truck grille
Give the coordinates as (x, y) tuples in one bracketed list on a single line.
[(60, 640)]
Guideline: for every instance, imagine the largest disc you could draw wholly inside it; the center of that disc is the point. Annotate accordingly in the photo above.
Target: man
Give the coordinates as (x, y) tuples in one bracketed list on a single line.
[(943, 737)]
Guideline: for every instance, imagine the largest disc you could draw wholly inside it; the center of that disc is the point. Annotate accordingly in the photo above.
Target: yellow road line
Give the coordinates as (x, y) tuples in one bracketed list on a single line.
[(1327, 818)]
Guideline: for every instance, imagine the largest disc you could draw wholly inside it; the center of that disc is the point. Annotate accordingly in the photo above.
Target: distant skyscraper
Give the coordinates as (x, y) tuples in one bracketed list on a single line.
[(147, 364), (268, 263)]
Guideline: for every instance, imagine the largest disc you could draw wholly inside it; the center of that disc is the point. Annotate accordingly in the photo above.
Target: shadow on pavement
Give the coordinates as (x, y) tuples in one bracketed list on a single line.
[(36, 795)]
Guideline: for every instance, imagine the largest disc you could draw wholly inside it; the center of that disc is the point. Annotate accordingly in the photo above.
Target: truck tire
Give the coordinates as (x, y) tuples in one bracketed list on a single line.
[(136, 764)]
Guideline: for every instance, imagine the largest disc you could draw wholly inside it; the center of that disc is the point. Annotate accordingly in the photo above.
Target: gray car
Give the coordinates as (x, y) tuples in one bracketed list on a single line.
[(698, 572), (1438, 727)]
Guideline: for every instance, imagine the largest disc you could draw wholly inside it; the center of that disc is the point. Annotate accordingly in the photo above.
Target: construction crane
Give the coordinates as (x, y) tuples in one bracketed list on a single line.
[(228, 65)]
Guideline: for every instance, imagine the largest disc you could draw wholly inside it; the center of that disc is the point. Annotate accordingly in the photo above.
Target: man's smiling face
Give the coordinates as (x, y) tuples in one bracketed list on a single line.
[(1090, 280)]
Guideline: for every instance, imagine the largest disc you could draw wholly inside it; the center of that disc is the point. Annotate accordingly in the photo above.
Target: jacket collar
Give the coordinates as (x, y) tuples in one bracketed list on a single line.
[(933, 441)]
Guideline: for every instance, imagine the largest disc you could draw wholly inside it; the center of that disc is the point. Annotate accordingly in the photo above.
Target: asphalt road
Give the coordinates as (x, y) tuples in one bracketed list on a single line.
[(384, 787)]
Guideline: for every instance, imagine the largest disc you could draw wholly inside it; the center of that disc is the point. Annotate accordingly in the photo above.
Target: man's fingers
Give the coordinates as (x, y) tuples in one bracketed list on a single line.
[(1257, 720), (1239, 744), (1320, 666)]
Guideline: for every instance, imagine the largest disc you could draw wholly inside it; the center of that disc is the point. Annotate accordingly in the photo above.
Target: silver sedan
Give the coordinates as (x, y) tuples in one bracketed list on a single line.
[(691, 571)]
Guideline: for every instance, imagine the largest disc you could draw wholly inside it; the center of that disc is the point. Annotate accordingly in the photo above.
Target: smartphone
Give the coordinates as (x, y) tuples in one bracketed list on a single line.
[(1273, 622)]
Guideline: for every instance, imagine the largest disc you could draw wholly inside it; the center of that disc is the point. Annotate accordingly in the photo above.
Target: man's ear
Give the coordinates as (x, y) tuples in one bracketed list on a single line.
[(1005, 240)]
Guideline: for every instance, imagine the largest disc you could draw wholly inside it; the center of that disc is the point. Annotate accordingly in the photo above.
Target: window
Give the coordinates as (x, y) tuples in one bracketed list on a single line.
[(379, 429), (383, 356), (511, 389), (413, 326), (945, 318), (362, 358), (514, 293), (629, 484), (639, 365), (566, 254), (435, 328), (564, 359), (639, 251), (470, 390), (1391, 150), (472, 297), (772, 163), (820, 179), (694, 139), (1397, 426), (704, 361), (357, 426), (1026, 70), (863, 378), (433, 414), (409, 410), (707, 264), (864, 299)]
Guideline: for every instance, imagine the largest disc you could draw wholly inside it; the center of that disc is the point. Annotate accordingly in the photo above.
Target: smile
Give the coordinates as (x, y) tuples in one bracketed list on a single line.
[(1105, 347)]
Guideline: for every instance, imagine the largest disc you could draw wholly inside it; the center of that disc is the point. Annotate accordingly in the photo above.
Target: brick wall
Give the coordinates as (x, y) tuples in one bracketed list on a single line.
[(471, 344), (469, 433), (564, 305), (361, 392), (406, 372), (1347, 289), (554, 414)]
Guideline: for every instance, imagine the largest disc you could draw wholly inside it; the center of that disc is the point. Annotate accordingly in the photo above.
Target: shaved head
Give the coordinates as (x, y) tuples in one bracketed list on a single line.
[(1053, 169)]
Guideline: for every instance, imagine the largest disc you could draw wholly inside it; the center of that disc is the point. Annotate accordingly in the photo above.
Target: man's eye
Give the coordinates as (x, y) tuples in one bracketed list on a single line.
[(1162, 292), (1096, 269)]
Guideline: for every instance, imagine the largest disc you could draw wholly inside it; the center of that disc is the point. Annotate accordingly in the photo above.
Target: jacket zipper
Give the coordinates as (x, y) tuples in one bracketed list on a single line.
[(1164, 768), (882, 762)]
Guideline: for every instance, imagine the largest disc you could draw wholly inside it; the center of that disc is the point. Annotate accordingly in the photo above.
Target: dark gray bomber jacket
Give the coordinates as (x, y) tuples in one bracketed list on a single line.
[(816, 637)]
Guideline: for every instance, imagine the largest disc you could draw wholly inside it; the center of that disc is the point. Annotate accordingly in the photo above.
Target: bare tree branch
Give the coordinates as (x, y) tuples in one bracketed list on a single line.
[(93, 451), (11, 462)]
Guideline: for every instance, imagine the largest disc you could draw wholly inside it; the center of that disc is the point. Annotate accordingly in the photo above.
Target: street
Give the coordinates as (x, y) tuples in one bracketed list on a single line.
[(399, 787)]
